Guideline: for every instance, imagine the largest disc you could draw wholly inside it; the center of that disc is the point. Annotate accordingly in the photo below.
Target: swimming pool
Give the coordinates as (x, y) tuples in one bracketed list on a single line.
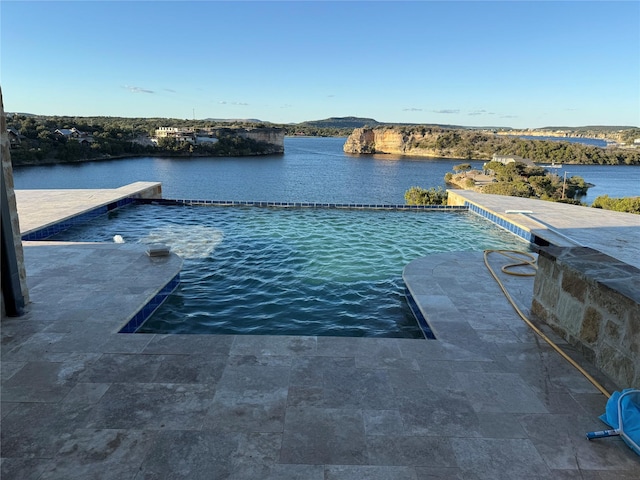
[(310, 271)]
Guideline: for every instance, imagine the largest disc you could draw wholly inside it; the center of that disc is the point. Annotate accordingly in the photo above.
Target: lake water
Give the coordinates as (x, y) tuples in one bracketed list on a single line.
[(312, 169), (586, 141)]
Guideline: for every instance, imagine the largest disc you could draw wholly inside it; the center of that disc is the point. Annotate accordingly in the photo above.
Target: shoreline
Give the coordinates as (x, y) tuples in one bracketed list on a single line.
[(130, 156)]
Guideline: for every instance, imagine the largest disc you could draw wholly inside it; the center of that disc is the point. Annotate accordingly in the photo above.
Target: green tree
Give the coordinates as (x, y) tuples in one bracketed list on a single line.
[(421, 196), (463, 167), (543, 186)]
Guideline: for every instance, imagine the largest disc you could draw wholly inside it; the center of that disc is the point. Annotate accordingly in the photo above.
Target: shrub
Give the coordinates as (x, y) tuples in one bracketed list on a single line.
[(513, 189), (625, 204), (421, 196)]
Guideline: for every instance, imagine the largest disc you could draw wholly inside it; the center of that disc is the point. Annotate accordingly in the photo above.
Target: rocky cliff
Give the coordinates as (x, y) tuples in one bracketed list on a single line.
[(467, 144), (272, 136), (414, 141)]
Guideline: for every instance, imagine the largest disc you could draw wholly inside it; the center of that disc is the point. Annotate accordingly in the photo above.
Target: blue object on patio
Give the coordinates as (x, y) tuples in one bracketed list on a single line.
[(622, 413)]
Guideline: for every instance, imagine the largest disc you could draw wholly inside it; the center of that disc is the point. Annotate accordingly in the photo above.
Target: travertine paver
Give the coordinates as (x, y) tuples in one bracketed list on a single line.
[(39, 208), (487, 400), (615, 233)]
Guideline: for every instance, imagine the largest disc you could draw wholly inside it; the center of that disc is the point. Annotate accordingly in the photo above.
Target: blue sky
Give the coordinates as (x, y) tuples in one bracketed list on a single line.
[(508, 63)]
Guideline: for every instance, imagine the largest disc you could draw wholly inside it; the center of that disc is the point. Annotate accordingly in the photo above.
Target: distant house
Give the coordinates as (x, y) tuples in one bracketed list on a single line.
[(74, 134), (14, 137), (179, 134), (507, 159), (69, 132), (188, 135)]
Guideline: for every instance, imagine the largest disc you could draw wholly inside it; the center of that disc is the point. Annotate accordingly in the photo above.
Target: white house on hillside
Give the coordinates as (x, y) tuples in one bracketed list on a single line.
[(507, 159)]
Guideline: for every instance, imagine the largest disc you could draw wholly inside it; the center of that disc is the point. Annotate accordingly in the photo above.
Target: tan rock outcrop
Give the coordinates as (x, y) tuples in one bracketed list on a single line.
[(272, 136), (418, 142)]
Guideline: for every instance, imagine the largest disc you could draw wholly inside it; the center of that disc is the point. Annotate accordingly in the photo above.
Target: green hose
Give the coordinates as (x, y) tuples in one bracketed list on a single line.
[(529, 261)]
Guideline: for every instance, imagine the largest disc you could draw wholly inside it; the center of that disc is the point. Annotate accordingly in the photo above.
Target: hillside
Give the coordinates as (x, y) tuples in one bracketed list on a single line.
[(341, 122), (38, 140), (427, 141)]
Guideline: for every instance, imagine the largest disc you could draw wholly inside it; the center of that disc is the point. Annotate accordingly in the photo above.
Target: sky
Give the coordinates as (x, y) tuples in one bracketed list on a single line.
[(508, 63)]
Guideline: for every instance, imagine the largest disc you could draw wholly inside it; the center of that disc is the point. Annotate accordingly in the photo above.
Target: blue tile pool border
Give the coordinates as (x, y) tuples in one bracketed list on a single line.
[(417, 314), (351, 206), (152, 305), (501, 222), (53, 229)]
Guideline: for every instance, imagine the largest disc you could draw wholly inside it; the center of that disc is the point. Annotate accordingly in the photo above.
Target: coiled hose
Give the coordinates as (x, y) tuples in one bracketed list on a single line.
[(527, 260)]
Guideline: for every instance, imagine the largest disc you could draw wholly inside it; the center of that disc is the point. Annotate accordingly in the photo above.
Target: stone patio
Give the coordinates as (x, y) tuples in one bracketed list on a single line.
[(487, 400)]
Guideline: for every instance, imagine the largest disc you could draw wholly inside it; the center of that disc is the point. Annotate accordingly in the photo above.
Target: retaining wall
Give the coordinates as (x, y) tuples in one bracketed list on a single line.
[(593, 301)]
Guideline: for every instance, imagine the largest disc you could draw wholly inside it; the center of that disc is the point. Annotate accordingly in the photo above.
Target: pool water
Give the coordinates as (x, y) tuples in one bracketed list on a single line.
[(310, 271)]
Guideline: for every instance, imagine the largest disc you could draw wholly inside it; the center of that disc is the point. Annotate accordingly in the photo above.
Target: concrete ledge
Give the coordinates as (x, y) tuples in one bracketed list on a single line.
[(109, 283), (593, 301), (49, 210)]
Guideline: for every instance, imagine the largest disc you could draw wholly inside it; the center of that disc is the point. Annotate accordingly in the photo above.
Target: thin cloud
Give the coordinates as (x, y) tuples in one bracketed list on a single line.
[(478, 112), (412, 109), (224, 102), (170, 90), (508, 116), (447, 111), (330, 96), (138, 89)]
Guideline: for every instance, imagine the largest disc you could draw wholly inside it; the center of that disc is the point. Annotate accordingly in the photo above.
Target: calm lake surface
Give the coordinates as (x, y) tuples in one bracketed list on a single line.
[(312, 169), (586, 141)]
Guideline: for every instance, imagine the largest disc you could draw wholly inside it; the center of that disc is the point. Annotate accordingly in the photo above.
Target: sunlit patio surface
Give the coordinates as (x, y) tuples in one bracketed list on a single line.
[(487, 400)]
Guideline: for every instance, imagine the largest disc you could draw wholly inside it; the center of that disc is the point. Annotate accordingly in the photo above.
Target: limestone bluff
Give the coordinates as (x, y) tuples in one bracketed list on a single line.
[(411, 141), (479, 144)]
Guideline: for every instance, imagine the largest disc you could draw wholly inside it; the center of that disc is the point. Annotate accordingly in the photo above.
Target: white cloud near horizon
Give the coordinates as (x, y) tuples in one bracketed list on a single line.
[(133, 89)]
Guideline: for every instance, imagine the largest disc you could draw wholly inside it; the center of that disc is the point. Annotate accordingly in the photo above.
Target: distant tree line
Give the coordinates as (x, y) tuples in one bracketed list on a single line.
[(116, 137), (470, 144)]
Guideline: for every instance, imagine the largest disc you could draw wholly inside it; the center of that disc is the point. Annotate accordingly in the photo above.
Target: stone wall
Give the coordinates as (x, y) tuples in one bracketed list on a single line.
[(454, 199), (7, 171), (593, 301)]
